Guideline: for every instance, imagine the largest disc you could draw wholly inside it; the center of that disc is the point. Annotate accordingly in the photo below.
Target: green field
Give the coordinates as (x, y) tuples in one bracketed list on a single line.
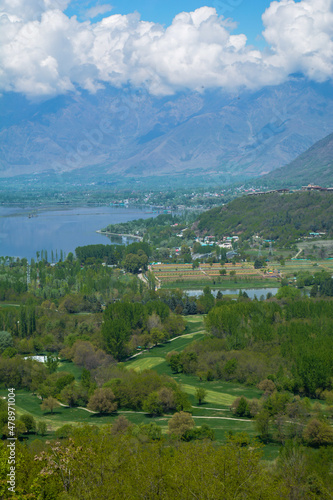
[(68, 366), (218, 398), (145, 364)]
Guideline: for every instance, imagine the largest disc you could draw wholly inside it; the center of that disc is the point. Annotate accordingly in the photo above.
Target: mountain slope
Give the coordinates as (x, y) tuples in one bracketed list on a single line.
[(315, 166), (120, 133)]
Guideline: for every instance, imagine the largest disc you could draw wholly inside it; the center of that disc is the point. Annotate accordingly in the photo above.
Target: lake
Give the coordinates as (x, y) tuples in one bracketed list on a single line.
[(63, 229)]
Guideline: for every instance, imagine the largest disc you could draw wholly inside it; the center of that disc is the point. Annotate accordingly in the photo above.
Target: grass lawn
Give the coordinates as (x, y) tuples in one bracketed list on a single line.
[(219, 398), (145, 363), (161, 350), (68, 366)]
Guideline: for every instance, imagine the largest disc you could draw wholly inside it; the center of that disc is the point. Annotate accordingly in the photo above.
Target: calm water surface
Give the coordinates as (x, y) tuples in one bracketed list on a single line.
[(51, 230)]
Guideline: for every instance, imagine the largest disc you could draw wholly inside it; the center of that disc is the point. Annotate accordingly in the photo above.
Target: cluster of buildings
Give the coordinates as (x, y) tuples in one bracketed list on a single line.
[(225, 242), (311, 187)]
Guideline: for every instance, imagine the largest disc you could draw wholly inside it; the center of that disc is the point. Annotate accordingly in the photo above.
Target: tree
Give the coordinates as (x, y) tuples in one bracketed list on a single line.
[(195, 264), (153, 405), (41, 428), (49, 404), (240, 407), (201, 394), (262, 420), (85, 378), (29, 422), (318, 433), (52, 363), (151, 430), (64, 432), (203, 432), (19, 429), (267, 386), (167, 399), (73, 394), (120, 425), (259, 263), (132, 263), (288, 292), (103, 401), (180, 423), (5, 340)]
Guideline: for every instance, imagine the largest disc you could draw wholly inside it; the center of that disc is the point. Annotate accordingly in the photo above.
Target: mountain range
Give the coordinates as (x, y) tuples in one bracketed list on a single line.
[(190, 136)]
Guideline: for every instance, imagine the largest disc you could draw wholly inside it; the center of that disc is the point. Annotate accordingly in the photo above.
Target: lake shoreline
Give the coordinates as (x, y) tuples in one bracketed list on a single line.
[(23, 233), (99, 231)]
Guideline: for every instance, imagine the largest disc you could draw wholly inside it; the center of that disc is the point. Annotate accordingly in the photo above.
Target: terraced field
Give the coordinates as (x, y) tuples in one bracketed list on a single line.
[(177, 273)]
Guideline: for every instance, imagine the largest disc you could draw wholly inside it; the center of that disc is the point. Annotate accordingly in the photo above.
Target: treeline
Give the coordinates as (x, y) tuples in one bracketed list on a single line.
[(111, 254), (282, 218), (281, 417), (128, 325), (290, 343), (129, 462)]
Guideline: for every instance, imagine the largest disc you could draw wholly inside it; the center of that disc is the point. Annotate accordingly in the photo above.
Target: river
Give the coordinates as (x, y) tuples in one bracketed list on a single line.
[(59, 229)]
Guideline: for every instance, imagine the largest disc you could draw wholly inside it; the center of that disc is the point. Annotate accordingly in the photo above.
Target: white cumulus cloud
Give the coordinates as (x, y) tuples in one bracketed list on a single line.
[(301, 36), (43, 52)]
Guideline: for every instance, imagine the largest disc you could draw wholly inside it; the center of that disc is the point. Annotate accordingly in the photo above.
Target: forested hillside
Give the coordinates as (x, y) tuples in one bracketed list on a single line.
[(279, 217)]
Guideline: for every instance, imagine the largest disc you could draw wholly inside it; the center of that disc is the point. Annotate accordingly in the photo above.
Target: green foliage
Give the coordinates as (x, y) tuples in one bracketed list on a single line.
[(65, 431), (180, 423), (283, 218), (103, 401), (153, 470), (122, 319), (74, 395), (151, 430), (318, 433), (146, 390), (203, 432), (29, 422), (49, 404), (262, 423), (133, 263), (52, 363), (153, 405), (201, 394), (288, 292), (42, 428), (241, 407), (6, 340), (259, 263)]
